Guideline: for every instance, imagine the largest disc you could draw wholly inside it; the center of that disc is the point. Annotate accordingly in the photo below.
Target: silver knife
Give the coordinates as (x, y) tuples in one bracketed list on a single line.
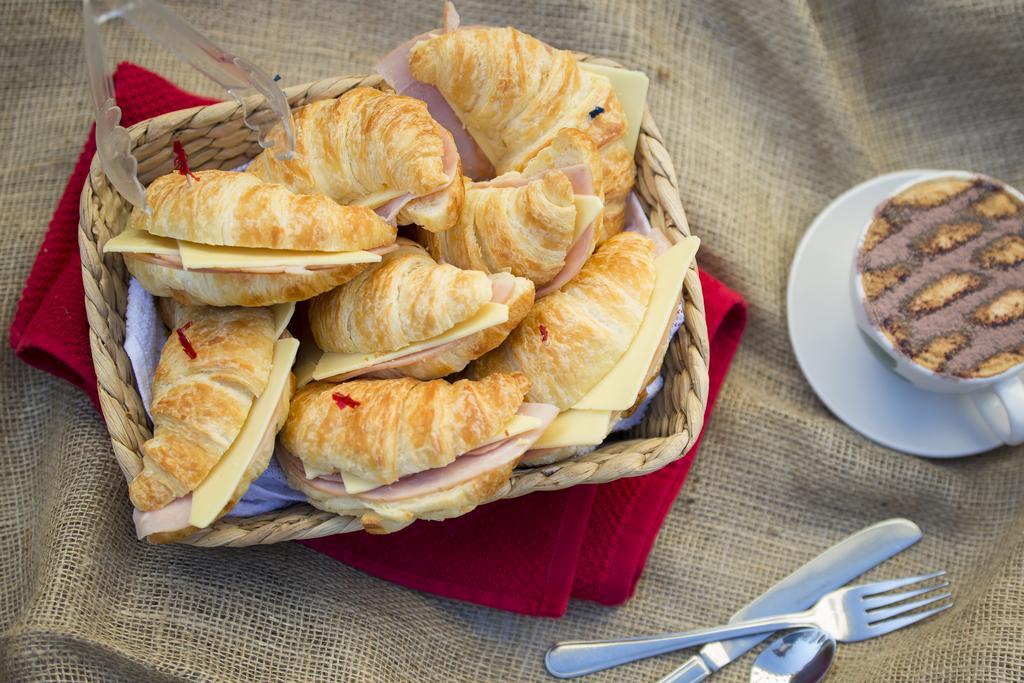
[(833, 569)]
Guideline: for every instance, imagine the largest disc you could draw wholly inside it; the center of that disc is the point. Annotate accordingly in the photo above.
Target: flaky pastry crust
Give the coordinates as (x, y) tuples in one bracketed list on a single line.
[(400, 426), (366, 142), (200, 404), (574, 337), (406, 298)]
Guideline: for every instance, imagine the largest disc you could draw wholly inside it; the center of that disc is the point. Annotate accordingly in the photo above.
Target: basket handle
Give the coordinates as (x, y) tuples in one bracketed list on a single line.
[(263, 102)]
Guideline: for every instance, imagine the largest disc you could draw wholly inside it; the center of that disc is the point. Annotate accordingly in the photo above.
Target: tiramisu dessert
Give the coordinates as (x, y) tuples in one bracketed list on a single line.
[(942, 269)]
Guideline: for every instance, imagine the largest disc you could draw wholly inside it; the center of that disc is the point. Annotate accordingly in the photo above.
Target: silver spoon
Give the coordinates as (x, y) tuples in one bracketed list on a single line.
[(802, 656)]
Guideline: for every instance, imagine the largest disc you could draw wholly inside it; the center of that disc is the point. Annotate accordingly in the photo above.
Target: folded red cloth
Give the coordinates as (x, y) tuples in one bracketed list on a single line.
[(532, 554), (527, 555)]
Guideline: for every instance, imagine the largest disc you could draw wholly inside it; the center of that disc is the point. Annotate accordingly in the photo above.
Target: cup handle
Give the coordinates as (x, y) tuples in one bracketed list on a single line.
[(1003, 409)]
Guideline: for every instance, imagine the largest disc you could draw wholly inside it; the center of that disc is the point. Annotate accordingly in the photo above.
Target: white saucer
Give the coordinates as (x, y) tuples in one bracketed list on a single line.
[(841, 367)]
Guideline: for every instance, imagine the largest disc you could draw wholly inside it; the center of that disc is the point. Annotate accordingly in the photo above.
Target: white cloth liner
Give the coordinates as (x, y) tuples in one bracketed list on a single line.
[(145, 337)]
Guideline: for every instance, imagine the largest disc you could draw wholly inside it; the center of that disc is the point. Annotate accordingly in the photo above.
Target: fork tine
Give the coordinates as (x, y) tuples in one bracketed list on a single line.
[(889, 612), (884, 627), (886, 599), (886, 586)]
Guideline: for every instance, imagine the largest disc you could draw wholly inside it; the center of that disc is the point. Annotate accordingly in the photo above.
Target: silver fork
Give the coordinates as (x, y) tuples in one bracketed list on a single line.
[(848, 615)]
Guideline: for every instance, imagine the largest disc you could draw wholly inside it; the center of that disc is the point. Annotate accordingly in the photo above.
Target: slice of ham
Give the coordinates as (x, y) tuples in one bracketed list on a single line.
[(636, 221), (171, 517), (172, 261), (578, 254), (380, 372), (395, 70), (384, 370), (389, 210), (465, 467), (635, 218), (165, 260), (329, 484), (579, 175), (501, 290), (484, 450), (581, 178), (502, 285), (449, 18)]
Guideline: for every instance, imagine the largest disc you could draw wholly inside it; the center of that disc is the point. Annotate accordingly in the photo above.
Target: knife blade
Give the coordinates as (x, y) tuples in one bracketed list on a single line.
[(830, 570)]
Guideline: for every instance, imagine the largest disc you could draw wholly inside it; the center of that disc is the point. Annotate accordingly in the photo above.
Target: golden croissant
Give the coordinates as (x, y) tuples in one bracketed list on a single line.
[(212, 368), (572, 338), (517, 293), (427, 450), (633, 380), (513, 93), (619, 177), (226, 208), (371, 147), (234, 288), (239, 210), (409, 298), (526, 223), (405, 298)]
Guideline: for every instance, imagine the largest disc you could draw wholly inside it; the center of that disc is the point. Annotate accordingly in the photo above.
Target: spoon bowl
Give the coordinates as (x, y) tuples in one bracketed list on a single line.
[(801, 656)]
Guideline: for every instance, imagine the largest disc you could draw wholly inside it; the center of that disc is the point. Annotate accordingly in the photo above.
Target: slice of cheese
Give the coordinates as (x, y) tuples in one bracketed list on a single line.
[(378, 198), (575, 428), (305, 364), (141, 242), (215, 491), (588, 207), (631, 89), (620, 387), (356, 484), (489, 315), (519, 424), (195, 256), (282, 316)]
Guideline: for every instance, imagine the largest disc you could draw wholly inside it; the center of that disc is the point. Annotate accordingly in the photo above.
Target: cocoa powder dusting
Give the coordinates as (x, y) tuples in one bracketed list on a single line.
[(916, 225)]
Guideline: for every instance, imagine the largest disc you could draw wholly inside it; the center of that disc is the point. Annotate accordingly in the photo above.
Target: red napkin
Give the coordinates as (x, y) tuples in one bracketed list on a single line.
[(532, 554), (527, 555)]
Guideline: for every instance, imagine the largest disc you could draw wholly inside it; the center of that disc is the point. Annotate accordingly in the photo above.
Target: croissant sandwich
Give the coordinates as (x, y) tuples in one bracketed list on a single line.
[(410, 316), (220, 395), (594, 347), (225, 238), (374, 149), (512, 94), (540, 224), (395, 450)]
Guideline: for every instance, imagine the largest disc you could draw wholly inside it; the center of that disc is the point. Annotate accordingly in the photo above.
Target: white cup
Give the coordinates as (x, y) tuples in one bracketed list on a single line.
[(999, 399)]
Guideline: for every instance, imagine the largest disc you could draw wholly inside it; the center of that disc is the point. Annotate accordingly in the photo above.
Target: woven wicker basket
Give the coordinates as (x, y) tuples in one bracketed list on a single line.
[(216, 137)]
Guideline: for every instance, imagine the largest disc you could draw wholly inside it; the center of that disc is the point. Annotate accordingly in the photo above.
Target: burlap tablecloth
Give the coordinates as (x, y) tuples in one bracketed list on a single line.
[(770, 109)]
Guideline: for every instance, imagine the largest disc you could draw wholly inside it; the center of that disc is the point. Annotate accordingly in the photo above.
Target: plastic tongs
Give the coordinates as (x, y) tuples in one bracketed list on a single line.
[(264, 103)]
